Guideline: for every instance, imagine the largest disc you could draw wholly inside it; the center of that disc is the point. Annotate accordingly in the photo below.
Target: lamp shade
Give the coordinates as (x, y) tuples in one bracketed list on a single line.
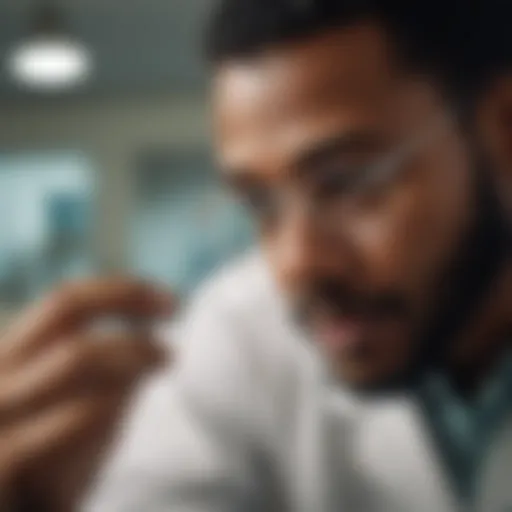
[(50, 58)]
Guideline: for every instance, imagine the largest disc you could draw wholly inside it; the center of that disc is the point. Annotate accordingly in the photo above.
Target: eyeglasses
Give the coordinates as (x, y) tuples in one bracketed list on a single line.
[(388, 168), (355, 184)]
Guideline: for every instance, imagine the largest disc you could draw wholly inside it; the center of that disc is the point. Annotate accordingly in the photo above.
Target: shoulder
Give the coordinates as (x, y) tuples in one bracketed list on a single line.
[(236, 342), (217, 340), (239, 301), (244, 283)]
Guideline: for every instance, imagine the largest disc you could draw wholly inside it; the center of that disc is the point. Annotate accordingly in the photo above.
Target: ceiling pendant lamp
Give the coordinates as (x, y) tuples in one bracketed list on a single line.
[(50, 58)]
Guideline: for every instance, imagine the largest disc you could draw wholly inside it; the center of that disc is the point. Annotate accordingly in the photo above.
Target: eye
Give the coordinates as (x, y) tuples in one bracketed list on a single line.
[(261, 203), (362, 179), (341, 180)]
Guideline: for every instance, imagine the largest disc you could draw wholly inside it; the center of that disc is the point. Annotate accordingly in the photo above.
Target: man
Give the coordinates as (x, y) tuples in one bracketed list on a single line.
[(314, 375), (351, 137)]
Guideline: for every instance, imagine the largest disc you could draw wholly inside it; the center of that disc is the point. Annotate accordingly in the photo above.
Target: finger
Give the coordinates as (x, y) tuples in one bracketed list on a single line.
[(60, 477), (76, 366), (75, 303), (59, 431)]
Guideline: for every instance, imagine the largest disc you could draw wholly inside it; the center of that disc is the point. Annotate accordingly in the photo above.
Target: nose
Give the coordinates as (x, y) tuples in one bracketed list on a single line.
[(304, 249)]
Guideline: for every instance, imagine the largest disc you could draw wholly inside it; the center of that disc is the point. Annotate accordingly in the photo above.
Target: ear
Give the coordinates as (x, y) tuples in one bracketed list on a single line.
[(494, 118)]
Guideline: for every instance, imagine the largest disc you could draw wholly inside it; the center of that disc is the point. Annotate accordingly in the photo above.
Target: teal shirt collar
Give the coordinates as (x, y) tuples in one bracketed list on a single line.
[(463, 429)]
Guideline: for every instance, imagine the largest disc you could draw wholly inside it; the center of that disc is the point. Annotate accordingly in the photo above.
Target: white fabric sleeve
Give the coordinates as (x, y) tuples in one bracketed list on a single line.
[(191, 443)]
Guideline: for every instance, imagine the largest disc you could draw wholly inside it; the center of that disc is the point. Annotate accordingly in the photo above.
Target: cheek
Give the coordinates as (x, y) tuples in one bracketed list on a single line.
[(280, 266), (407, 238)]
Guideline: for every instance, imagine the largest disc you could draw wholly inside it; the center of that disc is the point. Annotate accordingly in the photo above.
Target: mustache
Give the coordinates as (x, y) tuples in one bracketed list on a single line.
[(339, 299)]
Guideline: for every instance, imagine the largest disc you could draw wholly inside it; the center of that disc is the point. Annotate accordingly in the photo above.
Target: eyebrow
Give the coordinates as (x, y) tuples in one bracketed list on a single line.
[(336, 146), (317, 155)]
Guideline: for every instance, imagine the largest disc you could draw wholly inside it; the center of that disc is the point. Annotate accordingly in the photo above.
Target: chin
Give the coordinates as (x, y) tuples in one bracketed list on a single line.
[(371, 381)]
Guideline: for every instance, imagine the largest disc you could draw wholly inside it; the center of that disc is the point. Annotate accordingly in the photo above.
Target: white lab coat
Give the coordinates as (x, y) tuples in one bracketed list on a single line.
[(246, 421)]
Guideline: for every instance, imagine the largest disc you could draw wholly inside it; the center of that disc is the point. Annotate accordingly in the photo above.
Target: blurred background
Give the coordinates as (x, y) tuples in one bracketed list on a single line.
[(105, 162)]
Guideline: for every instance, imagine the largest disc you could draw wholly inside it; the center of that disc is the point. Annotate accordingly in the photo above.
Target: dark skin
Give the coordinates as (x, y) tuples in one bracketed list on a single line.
[(494, 117), (63, 388), (484, 340), (365, 263)]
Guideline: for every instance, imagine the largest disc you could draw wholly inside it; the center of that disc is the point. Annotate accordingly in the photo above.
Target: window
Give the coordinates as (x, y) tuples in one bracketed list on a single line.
[(46, 202), (186, 225)]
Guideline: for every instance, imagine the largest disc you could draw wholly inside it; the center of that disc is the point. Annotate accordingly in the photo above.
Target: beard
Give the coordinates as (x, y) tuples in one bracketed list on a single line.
[(469, 277), (462, 286)]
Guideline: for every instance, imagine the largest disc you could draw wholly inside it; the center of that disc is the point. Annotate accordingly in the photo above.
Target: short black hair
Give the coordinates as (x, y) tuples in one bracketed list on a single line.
[(436, 36), (494, 48)]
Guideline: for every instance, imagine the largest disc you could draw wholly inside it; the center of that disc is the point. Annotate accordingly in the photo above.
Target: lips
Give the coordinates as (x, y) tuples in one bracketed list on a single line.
[(346, 335), (340, 334)]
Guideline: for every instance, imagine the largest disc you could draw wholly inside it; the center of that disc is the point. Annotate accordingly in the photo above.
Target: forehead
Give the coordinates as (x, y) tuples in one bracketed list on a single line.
[(270, 106)]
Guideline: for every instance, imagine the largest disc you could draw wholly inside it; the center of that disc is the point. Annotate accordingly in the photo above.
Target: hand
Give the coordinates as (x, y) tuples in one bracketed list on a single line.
[(63, 386)]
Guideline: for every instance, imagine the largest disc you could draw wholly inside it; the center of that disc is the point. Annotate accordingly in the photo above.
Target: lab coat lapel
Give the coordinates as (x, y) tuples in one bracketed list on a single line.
[(496, 490), (399, 462)]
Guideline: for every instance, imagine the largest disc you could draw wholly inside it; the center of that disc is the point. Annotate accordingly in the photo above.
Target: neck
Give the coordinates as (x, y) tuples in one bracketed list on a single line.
[(484, 343)]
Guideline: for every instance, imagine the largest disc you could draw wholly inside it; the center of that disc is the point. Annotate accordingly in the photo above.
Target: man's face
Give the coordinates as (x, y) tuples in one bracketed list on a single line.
[(360, 253)]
